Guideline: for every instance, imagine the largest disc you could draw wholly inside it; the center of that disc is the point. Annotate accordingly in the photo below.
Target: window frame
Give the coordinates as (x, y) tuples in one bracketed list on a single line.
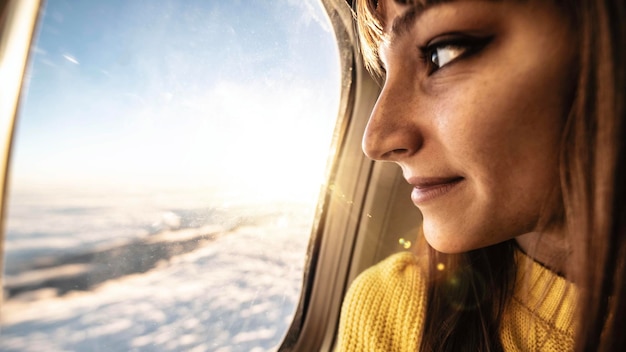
[(18, 23), (365, 214), (332, 262)]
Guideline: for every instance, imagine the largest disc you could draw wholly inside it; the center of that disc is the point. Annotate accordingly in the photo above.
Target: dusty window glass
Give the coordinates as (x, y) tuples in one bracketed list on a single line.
[(165, 173)]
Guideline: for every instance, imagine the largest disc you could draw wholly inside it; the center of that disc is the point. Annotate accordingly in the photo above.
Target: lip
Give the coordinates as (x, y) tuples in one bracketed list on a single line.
[(428, 188)]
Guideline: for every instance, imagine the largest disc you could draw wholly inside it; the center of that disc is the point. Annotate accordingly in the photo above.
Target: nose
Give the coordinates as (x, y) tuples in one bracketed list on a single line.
[(393, 131)]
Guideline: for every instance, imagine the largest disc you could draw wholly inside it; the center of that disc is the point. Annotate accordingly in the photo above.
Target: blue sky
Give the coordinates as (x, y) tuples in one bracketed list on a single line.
[(194, 93)]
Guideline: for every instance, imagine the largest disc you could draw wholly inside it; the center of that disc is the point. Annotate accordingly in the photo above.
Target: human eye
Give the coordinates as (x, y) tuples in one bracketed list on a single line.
[(449, 48)]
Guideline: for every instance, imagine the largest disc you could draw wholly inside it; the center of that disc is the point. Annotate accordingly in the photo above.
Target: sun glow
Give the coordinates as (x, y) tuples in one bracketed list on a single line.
[(242, 141), (255, 142)]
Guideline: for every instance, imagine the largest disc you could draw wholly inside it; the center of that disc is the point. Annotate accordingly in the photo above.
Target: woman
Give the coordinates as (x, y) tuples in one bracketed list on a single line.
[(508, 119)]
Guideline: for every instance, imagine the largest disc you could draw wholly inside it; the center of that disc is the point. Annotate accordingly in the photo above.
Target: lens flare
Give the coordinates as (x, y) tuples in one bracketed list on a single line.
[(464, 289)]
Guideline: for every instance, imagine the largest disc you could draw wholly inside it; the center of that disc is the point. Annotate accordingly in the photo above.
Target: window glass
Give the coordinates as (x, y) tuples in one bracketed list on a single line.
[(165, 174)]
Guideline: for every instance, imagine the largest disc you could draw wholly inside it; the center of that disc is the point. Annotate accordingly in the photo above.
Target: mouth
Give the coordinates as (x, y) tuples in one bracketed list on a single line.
[(426, 189)]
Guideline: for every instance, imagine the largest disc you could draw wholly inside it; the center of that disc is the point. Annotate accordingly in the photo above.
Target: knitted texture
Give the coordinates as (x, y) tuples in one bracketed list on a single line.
[(385, 306), (540, 315)]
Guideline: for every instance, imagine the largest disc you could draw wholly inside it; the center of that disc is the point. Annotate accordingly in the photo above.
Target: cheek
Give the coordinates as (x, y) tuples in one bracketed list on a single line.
[(508, 114), (511, 108), (504, 137)]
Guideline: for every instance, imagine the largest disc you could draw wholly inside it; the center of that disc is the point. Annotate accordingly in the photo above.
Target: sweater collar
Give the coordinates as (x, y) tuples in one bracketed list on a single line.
[(547, 295)]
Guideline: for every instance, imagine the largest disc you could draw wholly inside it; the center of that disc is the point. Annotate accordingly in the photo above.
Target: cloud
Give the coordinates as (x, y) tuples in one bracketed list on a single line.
[(39, 51), (71, 59), (312, 11)]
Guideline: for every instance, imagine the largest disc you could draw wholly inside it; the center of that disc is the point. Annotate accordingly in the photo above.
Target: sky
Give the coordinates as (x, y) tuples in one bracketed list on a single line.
[(234, 97)]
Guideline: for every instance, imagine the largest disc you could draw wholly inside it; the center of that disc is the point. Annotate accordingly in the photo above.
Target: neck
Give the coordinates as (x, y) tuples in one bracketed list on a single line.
[(549, 248)]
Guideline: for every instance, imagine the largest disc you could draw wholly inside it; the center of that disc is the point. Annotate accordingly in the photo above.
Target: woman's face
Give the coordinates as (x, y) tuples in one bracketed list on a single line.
[(474, 102)]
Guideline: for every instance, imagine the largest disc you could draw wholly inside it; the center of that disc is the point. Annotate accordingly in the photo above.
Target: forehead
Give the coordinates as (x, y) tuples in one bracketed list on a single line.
[(398, 15)]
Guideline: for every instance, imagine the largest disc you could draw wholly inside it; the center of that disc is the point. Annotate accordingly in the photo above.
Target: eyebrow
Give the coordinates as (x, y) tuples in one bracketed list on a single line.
[(404, 22)]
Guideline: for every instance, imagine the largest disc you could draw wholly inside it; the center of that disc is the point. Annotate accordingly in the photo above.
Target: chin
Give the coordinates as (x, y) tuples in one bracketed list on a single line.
[(443, 240), (454, 241)]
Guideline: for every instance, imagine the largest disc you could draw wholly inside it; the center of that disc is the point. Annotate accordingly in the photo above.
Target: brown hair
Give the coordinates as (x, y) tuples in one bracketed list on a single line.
[(466, 301), (593, 175)]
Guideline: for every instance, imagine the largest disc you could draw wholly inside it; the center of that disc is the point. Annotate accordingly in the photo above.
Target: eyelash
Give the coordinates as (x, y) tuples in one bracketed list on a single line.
[(467, 45)]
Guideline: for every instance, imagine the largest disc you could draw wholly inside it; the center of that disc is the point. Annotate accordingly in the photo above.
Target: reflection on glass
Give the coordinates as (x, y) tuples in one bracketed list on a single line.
[(167, 164)]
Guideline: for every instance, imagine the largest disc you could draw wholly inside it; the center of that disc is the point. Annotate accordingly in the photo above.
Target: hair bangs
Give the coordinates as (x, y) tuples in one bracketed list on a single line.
[(370, 30)]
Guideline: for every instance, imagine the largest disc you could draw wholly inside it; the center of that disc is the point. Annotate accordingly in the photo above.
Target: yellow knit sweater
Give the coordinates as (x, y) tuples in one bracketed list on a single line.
[(384, 309)]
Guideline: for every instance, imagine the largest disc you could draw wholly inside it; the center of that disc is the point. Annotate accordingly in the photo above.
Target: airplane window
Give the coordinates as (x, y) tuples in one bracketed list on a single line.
[(165, 174)]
